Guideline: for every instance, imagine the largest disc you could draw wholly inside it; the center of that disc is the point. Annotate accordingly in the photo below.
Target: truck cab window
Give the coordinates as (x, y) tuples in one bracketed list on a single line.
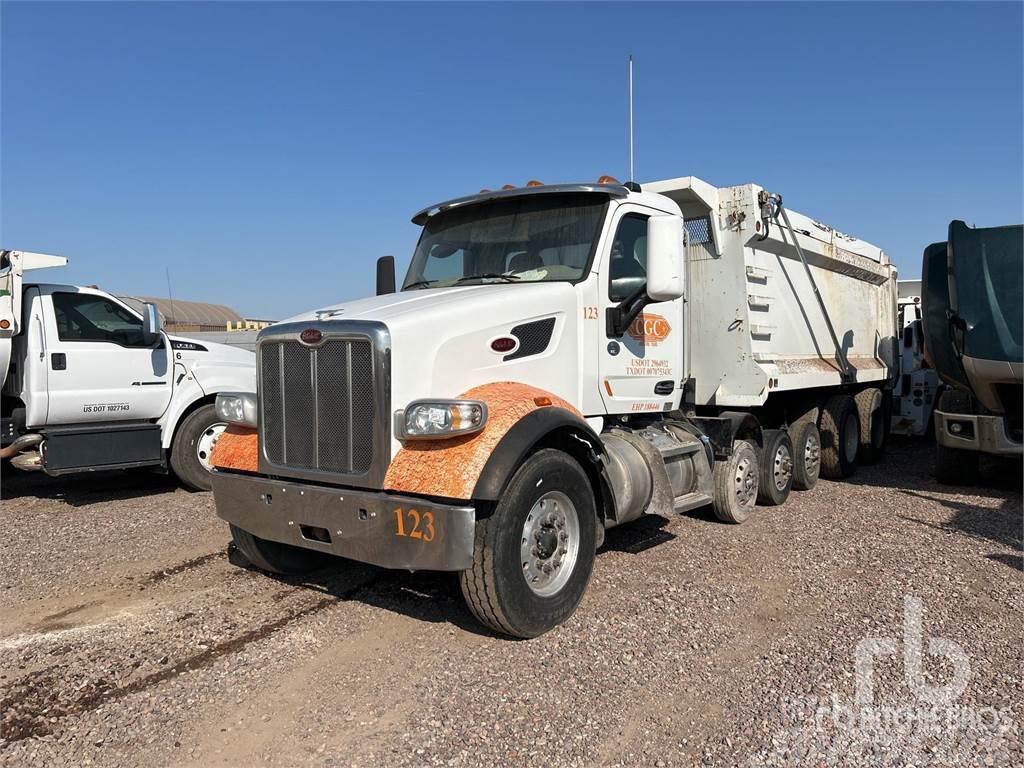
[(444, 264), (87, 317), (532, 238), (628, 268)]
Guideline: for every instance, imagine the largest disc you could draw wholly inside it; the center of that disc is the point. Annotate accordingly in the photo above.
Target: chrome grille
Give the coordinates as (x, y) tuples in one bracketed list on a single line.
[(319, 405)]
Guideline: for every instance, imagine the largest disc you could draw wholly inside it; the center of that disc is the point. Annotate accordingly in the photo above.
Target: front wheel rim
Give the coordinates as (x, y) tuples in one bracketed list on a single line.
[(206, 442), (550, 543)]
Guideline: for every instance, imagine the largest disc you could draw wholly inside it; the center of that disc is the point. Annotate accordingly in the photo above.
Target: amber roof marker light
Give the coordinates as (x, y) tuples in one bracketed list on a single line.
[(632, 186)]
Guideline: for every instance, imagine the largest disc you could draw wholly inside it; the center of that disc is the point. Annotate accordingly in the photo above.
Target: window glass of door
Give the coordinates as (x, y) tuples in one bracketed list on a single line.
[(87, 317), (628, 268)]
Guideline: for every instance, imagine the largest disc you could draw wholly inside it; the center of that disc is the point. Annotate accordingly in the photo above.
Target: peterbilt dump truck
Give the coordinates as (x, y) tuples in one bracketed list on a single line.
[(972, 298), (561, 359), (89, 383)]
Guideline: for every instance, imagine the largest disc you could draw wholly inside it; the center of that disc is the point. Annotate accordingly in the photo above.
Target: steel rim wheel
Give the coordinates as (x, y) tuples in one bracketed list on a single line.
[(550, 543), (745, 481), (812, 456), (782, 468), (206, 443), (851, 437)]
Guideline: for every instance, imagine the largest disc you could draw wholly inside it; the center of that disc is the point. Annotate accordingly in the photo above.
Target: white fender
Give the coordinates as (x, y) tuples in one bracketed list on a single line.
[(203, 379)]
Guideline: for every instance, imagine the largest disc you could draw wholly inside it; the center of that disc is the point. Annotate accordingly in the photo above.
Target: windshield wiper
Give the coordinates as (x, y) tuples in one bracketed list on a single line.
[(418, 284), (488, 276)]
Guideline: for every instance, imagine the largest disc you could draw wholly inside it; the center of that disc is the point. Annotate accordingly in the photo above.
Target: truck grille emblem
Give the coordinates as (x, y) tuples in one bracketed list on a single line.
[(311, 336)]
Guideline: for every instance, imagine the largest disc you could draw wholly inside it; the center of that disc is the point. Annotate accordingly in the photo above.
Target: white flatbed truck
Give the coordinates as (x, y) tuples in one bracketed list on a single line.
[(561, 359), (89, 384)]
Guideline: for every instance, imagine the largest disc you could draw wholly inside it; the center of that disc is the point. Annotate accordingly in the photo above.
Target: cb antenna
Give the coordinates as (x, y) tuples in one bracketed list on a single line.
[(631, 117), (170, 295)]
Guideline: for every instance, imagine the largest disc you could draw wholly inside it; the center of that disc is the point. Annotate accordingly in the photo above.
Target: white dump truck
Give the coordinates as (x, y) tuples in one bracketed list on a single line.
[(561, 359), (88, 383), (917, 389)]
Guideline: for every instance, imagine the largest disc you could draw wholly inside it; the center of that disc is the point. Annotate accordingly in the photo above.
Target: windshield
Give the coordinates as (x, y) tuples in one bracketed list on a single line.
[(987, 265), (532, 238)]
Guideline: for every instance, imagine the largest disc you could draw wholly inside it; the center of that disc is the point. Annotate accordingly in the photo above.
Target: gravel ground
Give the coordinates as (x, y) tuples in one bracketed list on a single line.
[(130, 635)]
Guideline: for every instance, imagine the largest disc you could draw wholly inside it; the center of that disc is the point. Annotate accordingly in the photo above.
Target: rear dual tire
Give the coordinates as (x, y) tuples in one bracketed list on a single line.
[(806, 455), (839, 427), (874, 408), (777, 466)]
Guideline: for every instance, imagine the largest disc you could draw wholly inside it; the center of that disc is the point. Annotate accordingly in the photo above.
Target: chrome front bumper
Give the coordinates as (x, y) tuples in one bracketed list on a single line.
[(985, 434), (371, 527)]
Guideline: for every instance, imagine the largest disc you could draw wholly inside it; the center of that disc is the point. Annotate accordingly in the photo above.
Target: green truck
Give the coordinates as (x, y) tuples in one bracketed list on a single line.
[(973, 298)]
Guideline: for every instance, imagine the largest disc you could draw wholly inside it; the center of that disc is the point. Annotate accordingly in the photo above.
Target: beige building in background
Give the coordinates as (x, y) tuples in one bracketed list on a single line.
[(194, 316)]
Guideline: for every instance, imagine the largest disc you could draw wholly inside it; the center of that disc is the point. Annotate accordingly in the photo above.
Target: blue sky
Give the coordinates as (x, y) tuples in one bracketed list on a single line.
[(266, 154)]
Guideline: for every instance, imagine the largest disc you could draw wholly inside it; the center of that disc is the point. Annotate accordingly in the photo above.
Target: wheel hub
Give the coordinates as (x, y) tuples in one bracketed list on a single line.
[(547, 541), (550, 543), (206, 443)]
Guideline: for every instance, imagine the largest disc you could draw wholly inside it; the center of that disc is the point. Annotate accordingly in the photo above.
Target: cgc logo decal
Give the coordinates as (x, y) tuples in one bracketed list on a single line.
[(649, 330)]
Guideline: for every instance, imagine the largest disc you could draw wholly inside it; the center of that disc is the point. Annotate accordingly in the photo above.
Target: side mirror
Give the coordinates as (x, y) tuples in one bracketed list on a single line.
[(151, 325), (664, 274), (664, 257), (385, 275)]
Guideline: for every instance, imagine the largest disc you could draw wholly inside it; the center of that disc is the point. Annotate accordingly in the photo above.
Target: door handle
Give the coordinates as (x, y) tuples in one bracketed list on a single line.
[(42, 339), (58, 361)]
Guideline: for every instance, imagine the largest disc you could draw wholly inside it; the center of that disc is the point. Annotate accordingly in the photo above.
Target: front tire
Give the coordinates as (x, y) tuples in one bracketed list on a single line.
[(533, 556), (956, 467), (735, 483), (193, 446), (952, 465), (274, 557), (776, 478)]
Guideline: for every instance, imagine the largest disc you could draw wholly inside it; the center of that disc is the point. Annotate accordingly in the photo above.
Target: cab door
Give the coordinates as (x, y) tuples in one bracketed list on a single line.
[(640, 370), (31, 385), (98, 368)]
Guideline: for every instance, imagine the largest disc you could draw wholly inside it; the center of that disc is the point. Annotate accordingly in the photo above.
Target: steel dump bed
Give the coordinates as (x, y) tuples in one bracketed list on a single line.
[(773, 306)]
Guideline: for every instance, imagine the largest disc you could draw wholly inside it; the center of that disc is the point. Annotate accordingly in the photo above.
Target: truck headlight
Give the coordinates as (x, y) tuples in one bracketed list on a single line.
[(237, 408), (432, 419)]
